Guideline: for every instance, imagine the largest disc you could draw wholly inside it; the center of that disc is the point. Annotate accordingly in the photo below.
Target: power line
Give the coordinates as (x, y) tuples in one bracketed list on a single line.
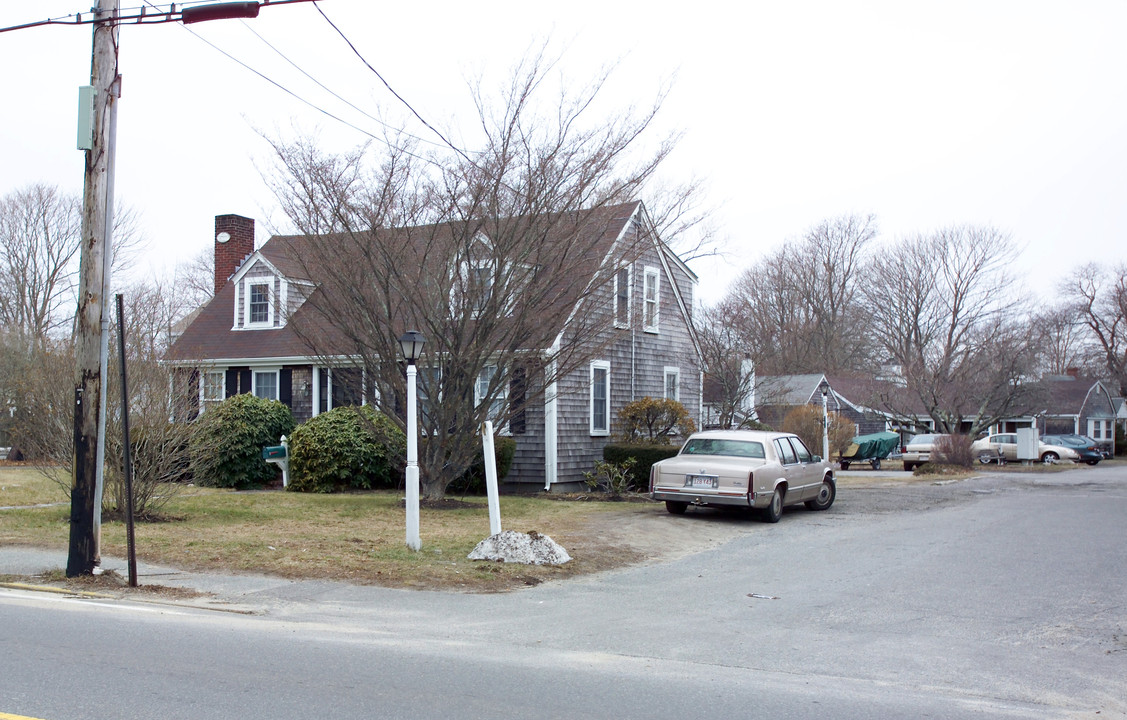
[(330, 91), (134, 16), (391, 89)]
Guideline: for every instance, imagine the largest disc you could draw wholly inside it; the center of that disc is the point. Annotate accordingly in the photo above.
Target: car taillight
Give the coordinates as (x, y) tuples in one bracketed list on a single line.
[(751, 485), (652, 473)]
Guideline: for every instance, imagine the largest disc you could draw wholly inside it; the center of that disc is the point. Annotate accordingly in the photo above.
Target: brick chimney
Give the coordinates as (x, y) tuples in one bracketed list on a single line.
[(1073, 372), (234, 241)]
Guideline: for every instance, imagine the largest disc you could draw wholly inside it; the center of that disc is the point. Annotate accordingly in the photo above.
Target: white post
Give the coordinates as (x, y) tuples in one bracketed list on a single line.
[(412, 473), (286, 463), (491, 478), (825, 428)]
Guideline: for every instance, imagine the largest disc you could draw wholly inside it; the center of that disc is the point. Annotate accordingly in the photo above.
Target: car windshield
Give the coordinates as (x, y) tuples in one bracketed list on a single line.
[(723, 446), (923, 440)]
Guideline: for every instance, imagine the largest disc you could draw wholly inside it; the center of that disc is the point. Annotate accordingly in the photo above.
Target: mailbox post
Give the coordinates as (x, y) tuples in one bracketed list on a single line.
[(279, 455)]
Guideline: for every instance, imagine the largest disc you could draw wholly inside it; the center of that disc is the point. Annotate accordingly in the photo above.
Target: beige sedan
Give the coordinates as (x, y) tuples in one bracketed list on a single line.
[(1004, 446), (744, 468)]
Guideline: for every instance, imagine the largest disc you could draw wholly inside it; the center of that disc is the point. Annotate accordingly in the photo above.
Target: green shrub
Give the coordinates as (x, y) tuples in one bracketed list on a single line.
[(654, 421), (644, 457), (347, 447), (472, 481), (226, 445)]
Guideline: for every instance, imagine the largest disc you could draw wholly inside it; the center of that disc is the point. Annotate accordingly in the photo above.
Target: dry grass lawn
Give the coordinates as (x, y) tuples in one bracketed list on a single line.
[(354, 537)]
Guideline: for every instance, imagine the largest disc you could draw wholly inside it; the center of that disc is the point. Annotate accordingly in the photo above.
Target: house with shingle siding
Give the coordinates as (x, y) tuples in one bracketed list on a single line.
[(244, 341)]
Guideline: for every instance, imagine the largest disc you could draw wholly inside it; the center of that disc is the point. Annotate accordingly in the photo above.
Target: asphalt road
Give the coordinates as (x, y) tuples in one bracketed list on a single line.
[(1003, 596)]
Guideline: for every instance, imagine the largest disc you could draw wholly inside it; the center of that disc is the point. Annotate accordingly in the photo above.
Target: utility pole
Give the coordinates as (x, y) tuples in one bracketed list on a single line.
[(97, 226), (96, 252)]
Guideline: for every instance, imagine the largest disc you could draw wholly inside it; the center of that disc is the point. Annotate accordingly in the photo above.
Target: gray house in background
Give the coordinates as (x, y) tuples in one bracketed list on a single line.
[(242, 342)]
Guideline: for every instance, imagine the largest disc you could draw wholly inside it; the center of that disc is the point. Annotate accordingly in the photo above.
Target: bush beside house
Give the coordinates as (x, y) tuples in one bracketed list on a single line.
[(226, 447), (351, 447)]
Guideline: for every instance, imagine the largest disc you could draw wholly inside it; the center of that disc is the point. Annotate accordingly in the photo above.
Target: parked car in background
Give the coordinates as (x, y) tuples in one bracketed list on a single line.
[(1088, 450), (919, 450), (1002, 447), (1103, 447), (744, 468)]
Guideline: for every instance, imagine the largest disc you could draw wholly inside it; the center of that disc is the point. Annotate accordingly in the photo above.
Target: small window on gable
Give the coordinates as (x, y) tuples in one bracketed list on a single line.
[(480, 286), (672, 383), (600, 398), (622, 298), (259, 303), (651, 299)]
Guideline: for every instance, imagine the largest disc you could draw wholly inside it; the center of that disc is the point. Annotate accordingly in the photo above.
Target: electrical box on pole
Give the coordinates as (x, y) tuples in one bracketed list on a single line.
[(86, 96)]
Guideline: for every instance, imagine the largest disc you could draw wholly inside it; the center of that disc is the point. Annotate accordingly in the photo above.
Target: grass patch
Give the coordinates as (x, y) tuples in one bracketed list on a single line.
[(21, 486), (356, 537)]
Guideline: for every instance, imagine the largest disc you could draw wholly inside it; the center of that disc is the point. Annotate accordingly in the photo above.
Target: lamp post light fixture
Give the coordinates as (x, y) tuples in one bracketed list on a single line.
[(411, 344)]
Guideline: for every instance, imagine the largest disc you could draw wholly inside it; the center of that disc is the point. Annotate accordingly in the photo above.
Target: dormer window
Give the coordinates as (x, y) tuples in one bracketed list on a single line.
[(259, 303)]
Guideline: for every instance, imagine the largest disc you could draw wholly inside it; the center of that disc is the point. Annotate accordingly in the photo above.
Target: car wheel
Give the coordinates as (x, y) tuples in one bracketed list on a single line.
[(908, 467), (676, 508), (774, 511), (986, 457), (1093, 462), (1049, 458), (826, 495)]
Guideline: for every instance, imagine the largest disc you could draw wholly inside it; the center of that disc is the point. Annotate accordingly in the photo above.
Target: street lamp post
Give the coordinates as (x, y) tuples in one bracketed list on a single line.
[(412, 346)]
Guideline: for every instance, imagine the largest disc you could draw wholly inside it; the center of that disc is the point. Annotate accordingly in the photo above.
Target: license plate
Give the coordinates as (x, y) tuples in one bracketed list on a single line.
[(924, 456), (701, 481)]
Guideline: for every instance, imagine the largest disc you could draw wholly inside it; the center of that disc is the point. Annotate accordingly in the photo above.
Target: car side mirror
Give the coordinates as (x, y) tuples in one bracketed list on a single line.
[(816, 458)]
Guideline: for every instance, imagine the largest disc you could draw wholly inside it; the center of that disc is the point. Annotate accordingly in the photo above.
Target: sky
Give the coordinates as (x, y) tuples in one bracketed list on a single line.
[(925, 114)]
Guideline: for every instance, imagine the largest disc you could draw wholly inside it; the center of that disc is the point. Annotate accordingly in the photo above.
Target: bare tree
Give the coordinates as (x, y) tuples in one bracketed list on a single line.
[(502, 257), (799, 308), (944, 310), (39, 235), (729, 366), (39, 238), (1099, 297), (195, 279), (1062, 342)]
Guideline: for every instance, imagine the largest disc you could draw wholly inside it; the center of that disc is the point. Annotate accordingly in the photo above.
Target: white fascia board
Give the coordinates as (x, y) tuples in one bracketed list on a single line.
[(256, 257)]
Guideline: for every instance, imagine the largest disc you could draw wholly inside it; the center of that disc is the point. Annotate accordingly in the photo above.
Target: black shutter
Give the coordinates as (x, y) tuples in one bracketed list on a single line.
[(193, 395), (517, 388), (285, 387), (232, 383), (244, 380)]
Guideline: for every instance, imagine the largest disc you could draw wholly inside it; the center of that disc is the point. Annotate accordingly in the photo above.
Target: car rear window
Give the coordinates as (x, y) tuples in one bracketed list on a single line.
[(720, 446)]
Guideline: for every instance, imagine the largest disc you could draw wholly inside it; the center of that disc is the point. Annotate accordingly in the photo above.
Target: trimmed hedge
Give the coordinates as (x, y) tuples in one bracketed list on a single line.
[(473, 479), (226, 445), (644, 455), (345, 448)]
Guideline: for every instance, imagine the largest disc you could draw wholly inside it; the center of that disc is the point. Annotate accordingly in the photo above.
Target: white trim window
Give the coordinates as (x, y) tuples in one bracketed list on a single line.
[(213, 388), (1100, 429), (259, 294), (651, 299), (481, 392), (622, 297), (672, 383), (264, 384), (600, 398)]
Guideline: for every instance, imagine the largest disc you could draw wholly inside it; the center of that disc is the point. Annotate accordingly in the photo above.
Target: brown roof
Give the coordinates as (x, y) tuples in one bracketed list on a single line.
[(211, 334)]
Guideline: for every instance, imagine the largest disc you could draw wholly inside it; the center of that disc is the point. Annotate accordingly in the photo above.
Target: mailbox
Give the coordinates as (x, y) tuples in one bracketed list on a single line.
[(274, 452), (279, 455)]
